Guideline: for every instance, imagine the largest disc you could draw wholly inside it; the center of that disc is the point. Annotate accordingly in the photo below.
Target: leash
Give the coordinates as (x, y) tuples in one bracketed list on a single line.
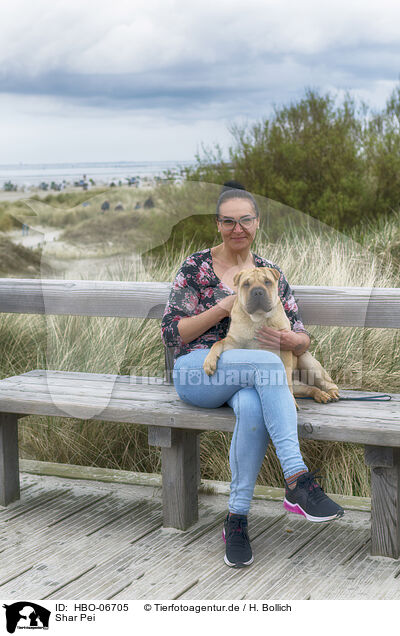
[(385, 397)]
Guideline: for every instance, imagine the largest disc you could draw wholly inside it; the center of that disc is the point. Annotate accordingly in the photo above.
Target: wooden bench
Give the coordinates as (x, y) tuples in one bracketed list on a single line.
[(175, 426)]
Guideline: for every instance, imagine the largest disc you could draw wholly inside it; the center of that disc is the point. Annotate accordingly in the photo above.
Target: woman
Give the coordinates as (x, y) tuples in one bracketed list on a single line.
[(196, 316)]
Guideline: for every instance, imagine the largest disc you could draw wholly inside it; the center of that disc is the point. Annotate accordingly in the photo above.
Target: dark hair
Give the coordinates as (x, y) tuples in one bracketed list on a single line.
[(235, 190)]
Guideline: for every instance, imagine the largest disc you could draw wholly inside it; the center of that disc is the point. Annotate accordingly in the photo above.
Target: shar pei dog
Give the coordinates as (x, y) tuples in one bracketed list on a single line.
[(257, 303)]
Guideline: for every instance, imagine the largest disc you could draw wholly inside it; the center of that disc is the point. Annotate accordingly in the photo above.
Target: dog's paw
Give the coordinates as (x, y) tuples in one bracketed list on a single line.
[(209, 365), (334, 393), (322, 397)]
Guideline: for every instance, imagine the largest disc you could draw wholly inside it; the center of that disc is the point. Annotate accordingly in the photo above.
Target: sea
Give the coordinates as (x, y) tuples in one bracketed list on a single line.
[(25, 175)]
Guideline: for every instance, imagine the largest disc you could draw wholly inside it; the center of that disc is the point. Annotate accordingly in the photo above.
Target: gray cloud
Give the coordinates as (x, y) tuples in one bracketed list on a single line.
[(243, 84), (172, 63), (142, 56)]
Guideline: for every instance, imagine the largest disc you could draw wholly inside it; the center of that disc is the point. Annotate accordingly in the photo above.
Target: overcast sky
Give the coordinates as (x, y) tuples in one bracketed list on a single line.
[(153, 79)]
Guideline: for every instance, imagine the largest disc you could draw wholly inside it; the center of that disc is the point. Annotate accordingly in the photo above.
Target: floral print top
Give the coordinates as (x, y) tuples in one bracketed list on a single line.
[(197, 288)]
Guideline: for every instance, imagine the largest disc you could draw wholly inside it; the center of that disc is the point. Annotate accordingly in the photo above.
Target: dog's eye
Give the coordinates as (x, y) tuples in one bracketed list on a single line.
[(246, 283), (267, 282)]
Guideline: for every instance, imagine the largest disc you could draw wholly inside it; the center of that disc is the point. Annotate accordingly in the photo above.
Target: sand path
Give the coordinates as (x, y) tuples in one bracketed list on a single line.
[(72, 262), (35, 237)]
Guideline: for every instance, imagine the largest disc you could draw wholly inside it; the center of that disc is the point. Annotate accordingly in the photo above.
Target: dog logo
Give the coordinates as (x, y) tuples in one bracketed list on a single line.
[(26, 615)]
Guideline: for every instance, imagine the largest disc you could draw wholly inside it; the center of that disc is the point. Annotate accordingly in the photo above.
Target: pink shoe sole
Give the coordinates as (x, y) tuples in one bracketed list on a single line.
[(297, 510), (293, 508)]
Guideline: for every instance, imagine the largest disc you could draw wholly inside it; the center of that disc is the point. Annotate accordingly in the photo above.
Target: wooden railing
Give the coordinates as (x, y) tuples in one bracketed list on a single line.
[(339, 306)]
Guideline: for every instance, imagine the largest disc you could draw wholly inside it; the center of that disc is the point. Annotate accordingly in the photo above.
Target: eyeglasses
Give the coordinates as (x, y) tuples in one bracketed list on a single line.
[(229, 224)]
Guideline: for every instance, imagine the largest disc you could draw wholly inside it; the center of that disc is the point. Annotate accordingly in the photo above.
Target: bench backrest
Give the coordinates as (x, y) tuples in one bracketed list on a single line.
[(331, 306)]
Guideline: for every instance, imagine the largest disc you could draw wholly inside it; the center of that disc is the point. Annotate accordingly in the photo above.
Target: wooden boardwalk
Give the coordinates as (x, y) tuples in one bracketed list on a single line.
[(83, 539)]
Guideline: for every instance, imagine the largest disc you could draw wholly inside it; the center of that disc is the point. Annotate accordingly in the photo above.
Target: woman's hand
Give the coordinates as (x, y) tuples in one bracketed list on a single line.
[(227, 303), (282, 340)]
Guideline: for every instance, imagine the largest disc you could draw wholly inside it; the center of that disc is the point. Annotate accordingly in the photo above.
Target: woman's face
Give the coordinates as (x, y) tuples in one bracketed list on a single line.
[(238, 237)]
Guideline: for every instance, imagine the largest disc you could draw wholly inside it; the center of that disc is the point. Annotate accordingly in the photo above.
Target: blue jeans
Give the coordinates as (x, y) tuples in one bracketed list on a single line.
[(253, 382)]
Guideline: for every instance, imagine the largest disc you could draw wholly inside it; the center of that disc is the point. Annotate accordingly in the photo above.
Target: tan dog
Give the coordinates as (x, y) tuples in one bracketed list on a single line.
[(257, 303)]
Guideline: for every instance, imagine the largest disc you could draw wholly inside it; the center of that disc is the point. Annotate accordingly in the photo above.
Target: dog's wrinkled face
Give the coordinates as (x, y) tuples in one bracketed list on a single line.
[(257, 290)]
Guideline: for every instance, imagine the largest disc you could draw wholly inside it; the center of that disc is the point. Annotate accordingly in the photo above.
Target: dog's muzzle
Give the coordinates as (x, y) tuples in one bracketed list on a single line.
[(258, 300)]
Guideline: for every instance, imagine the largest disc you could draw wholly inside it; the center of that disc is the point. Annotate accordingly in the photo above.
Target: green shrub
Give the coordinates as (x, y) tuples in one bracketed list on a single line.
[(338, 163)]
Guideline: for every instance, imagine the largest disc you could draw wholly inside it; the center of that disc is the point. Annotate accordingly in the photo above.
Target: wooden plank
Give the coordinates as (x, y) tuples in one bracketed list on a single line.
[(361, 577), (192, 557), (158, 554), (43, 386), (73, 377), (384, 410), (200, 563), (180, 480), (349, 306), (293, 558), (154, 388), (84, 297), (44, 521), (137, 381), (160, 436), (327, 422), (151, 387), (53, 566), (117, 476), (22, 508), (81, 375), (50, 377), (108, 475), (319, 560), (73, 515), (163, 437), (55, 386), (360, 413), (156, 413), (168, 363), (9, 469), (379, 456), (291, 561), (57, 517), (356, 393), (44, 390), (385, 501), (377, 430), (109, 525), (339, 306)]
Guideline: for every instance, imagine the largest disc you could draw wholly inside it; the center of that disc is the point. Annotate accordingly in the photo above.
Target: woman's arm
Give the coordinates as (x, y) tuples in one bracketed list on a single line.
[(192, 327), (303, 342), (180, 324)]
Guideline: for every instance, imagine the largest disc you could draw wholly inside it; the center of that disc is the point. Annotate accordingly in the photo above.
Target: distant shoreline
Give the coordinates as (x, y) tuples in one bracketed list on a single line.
[(19, 195), (100, 173)]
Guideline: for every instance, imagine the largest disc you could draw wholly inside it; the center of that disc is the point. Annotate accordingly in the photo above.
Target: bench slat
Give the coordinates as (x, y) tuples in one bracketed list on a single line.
[(76, 379), (159, 405), (91, 389), (340, 306), (102, 394)]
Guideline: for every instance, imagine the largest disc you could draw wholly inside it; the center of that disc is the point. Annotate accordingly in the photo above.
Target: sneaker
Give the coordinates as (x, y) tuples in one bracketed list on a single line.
[(238, 549), (308, 499)]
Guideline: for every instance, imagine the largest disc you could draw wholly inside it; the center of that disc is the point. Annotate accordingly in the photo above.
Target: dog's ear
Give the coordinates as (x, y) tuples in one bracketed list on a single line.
[(236, 278), (274, 273)]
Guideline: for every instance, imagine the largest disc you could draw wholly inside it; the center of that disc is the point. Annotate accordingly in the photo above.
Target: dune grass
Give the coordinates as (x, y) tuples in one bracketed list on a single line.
[(363, 358), (17, 260)]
